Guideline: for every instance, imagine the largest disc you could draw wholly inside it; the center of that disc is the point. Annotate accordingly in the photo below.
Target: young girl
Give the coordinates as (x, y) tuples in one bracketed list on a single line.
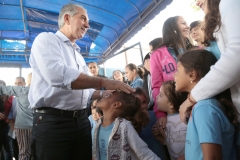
[(116, 136), (118, 75), (210, 131), (174, 136), (163, 61), (222, 24), (134, 74), (146, 133)]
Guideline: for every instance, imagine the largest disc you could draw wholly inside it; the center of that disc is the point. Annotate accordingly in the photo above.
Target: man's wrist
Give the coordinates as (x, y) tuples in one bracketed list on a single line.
[(101, 93)]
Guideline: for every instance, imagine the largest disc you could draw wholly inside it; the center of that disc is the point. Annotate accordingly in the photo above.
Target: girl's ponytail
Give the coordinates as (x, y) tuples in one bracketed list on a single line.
[(133, 111), (226, 104), (139, 120), (140, 72)]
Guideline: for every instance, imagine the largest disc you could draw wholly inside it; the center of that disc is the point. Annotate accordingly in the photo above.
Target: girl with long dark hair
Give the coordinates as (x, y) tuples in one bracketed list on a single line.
[(212, 122), (163, 60)]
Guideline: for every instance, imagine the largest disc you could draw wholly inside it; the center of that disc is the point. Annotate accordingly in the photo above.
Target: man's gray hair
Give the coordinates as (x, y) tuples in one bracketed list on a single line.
[(70, 9)]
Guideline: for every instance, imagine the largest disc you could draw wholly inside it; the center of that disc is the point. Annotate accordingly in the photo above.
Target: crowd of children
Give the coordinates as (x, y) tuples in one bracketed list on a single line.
[(187, 99), (192, 125)]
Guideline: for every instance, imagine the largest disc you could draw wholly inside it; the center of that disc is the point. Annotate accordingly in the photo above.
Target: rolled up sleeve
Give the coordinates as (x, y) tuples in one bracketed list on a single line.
[(49, 55)]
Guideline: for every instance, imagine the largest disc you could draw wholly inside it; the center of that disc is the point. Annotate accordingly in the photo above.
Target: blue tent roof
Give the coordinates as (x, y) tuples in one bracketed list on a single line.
[(112, 23)]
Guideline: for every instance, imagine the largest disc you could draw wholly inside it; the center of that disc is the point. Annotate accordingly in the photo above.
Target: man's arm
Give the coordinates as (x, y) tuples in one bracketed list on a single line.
[(14, 90), (85, 81), (52, 66)]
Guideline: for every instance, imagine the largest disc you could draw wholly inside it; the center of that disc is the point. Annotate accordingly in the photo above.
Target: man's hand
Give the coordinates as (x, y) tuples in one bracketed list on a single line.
[(117, 85), (2, 116)]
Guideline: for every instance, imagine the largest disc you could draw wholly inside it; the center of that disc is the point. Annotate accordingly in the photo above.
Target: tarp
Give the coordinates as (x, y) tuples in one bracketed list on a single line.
[(112, 23)]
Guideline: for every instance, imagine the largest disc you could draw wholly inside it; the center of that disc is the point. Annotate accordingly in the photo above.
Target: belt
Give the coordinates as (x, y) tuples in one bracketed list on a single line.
[(54, 111)]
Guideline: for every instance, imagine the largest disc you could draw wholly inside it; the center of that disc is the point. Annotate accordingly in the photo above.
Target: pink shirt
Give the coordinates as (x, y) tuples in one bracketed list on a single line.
[(162, 68)]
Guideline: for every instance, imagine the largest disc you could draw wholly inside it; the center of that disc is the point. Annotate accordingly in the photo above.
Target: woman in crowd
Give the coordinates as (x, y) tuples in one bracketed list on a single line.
[(118, 75), (94, 69), (134, 74)]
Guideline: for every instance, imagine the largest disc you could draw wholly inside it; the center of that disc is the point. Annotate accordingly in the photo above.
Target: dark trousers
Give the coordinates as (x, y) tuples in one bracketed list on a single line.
[(61, 138), (6, 141), (15, 148)]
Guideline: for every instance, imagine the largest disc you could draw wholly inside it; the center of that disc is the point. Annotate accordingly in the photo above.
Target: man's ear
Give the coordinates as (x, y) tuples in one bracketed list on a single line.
[(66, 19)]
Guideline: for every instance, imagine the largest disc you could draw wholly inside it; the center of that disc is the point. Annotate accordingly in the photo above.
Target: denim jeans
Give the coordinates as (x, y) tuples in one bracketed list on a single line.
[(61, 138)]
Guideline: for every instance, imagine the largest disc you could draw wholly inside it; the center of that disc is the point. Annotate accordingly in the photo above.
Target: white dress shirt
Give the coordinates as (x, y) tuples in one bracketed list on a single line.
[(56, 63)]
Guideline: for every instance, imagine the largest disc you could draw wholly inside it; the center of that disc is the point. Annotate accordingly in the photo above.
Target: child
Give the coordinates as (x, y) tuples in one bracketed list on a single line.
[(115, 136), (168, 100), (146, 134), (210, 131), (93, 118)]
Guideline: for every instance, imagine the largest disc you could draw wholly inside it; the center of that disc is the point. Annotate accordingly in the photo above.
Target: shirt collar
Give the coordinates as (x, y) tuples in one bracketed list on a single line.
[(136, 79), (65, 39)]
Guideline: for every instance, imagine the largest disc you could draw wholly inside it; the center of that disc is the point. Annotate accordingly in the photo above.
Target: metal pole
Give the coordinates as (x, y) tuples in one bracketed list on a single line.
[(20, 71), (104, 70), (141, 52)]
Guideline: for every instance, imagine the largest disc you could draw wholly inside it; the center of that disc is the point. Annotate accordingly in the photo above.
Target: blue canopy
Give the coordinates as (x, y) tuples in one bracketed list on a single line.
[(112, 23)]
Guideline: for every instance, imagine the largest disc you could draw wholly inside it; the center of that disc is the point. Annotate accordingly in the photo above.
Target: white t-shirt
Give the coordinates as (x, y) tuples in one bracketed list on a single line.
[(175, 136)]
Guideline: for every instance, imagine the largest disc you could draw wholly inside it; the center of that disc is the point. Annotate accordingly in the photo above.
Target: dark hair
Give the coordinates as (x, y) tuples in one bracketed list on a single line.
[(140, 91), (2, 83), (120, 72), (132, 110), (172, 36), (99, 111), (21, 78), (139, 70), (174, 97), (155, 43), (212, 21), (201, 61), (146, 57), (195, 24), (94, 63)]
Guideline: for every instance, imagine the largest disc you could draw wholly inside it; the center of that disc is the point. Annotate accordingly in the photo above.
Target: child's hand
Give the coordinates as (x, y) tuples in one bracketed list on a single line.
[(2, 116), (155, 131), (161, 124), (159, 136)]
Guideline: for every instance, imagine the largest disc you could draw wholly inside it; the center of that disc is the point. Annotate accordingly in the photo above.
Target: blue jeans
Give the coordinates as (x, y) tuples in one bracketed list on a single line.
[(59, 137)]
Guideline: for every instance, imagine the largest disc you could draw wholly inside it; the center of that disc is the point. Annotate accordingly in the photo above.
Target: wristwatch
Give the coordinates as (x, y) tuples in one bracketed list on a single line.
[(101, 93)]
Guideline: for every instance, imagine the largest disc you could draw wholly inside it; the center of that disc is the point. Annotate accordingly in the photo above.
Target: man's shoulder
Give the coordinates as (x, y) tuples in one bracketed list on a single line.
[(46, 35)]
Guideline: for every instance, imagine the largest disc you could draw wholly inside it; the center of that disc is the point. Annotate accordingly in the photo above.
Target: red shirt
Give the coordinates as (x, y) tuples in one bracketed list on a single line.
[(7, 107)]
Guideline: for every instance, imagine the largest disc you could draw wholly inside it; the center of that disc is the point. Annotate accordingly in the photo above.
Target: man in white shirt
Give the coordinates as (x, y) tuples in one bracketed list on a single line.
[(60, 91)]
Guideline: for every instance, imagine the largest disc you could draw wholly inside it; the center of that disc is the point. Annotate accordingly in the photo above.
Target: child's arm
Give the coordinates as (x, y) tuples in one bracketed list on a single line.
[(211, 151), (138, 146)]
